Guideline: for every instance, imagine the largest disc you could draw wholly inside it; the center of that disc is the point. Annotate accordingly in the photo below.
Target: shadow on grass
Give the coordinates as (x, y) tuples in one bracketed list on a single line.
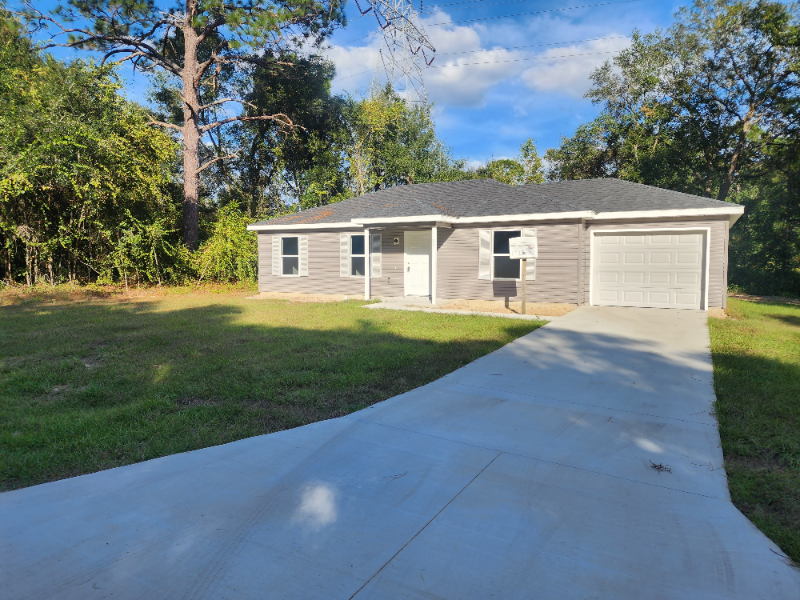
[(758, 408), (94, 385), (788, 319)]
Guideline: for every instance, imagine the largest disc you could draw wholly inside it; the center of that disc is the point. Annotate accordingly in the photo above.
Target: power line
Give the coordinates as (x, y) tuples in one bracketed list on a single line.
[(493, 62), (480, 2), (466, 2), (618, 37), (535, 12), (356, 75)]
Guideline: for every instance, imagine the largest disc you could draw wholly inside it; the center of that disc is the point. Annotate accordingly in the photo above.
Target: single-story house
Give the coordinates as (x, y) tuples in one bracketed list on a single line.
[(600, 241)]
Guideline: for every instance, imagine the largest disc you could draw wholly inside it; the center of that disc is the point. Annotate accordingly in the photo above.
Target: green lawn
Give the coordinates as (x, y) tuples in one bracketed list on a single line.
[(757, 381), (93, 384)]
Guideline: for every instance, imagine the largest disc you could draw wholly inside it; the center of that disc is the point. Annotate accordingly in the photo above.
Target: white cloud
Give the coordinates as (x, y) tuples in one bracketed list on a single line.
[(474, 164), (355, 65), (452, 80), (473, 59), (566, 69), (464, 70)]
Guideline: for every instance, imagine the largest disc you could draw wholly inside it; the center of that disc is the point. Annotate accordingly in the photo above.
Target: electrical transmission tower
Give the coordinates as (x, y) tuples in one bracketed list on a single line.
[(406, 48)]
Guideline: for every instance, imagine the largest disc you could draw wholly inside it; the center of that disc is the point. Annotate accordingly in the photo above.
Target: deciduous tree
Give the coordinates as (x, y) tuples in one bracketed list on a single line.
[(80, 170), (194, 42)]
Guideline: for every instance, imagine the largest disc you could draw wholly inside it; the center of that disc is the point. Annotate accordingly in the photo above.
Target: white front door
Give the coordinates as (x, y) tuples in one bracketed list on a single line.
[(417, 255), (659, 270)]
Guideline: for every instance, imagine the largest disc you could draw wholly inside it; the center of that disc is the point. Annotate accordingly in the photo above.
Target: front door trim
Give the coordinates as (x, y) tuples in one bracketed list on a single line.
[(427, 236)]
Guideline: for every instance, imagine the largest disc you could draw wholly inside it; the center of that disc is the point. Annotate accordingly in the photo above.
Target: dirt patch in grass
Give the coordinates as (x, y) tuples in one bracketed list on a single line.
[(767, 299), (756, 358), (301, 297), (43, 294), (545, 309)]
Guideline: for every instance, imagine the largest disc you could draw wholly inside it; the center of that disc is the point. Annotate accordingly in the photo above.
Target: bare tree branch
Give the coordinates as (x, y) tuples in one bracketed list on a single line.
[(278, 118), (211, 162), (138, 44), (132, 55), (225, 101), (153, 121)]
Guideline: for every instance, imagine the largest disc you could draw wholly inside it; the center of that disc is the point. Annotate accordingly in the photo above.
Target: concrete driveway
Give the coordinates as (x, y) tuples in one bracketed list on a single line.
[(527, 474)]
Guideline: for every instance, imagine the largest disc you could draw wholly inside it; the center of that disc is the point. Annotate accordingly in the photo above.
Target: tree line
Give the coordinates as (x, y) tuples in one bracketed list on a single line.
[(94, 187), (708, 107), (241, 124)]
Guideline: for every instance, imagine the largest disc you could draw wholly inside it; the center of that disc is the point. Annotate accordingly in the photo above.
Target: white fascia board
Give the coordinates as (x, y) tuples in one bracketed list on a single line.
[(584, 214), (399, 220), (734, 212), (299, 226), (670, 213), (441, 219)]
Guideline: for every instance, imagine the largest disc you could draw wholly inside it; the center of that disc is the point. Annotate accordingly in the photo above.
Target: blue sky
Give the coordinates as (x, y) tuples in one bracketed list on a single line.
[(487, 110), (533, 68)]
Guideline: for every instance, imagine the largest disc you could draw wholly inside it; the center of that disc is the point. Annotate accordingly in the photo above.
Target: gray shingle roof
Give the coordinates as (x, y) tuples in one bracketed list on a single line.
[(487, 197), (617, 195)]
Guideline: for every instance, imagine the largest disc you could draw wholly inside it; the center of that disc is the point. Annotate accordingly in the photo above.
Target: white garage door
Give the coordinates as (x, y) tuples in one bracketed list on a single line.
[(659, 270)]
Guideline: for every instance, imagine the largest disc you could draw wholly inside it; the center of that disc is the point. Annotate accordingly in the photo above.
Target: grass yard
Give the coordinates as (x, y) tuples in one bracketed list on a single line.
[(757, 381), (90, 384)]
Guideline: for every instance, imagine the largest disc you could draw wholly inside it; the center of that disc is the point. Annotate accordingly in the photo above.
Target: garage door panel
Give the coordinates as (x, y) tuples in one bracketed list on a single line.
[(662, 270), (687, 299), (609, 258), (634, 240), (690, 238), (687, 278), (688, 258), (633, 258), (659, 278), (660, 240), (633, 277), (632, 297), (660, 258), (609, 295), (659, 297), (608, 277)]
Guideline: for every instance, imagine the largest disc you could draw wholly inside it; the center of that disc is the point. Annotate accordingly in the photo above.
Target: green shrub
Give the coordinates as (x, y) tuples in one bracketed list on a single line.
[(231, 253)]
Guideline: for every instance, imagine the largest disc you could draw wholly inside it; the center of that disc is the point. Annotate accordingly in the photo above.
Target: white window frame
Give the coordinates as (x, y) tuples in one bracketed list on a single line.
[(518, 277), (282, 255), (350, 254)]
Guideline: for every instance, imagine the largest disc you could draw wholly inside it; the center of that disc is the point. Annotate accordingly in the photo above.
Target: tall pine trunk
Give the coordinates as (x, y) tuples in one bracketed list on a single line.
[(191, 140)]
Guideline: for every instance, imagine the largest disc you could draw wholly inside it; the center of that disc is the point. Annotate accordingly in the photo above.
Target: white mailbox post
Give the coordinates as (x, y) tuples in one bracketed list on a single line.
[(523, 248)]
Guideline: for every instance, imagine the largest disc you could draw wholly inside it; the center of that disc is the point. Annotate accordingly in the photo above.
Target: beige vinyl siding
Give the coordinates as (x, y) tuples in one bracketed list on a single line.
[(390, 283), (717, 269), (562, 269), (557, 271), (323, 267)]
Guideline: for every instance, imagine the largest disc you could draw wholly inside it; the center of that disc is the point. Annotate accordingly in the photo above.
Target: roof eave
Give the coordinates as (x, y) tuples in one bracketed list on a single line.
[(299, 226), (731, 210)]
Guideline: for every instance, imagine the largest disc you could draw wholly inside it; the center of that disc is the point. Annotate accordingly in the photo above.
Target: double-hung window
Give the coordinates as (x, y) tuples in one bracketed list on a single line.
[(290, 256), (358, 258), (504, 266)]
